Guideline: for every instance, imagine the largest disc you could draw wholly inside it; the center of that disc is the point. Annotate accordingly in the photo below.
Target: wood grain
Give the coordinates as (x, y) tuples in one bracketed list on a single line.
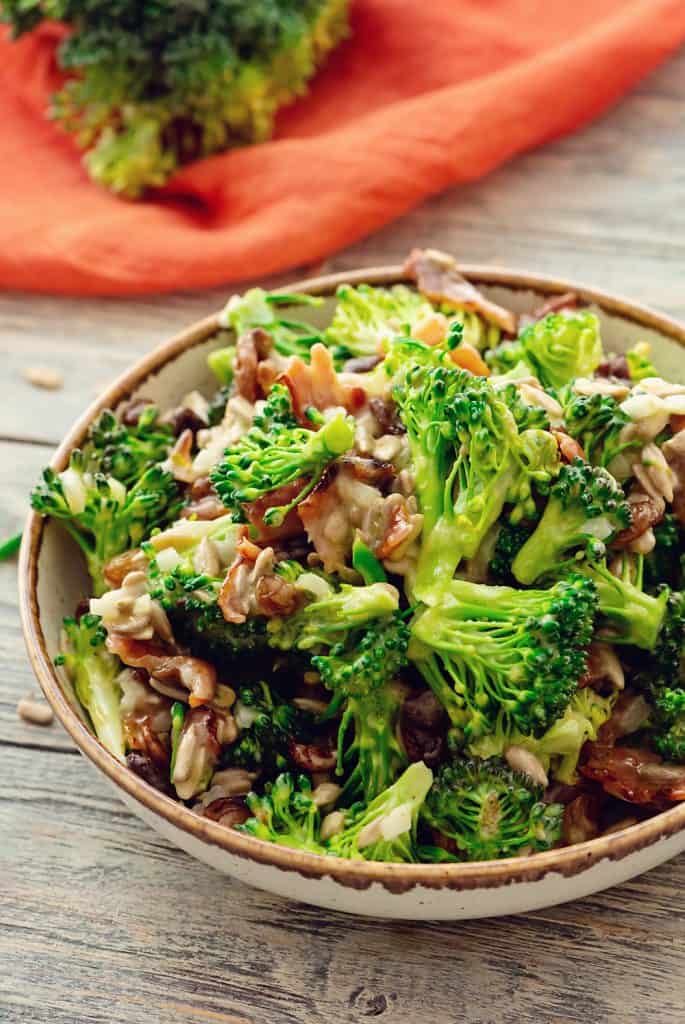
[(102, 921)]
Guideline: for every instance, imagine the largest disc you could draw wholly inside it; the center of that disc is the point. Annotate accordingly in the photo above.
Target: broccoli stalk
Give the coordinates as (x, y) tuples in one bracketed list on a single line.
[(262, 461), (93, 672), (490, 811), (103, 515), (555, 350), (495, 655), (360, 674), (586, 509), (385, 829), (468, 459)]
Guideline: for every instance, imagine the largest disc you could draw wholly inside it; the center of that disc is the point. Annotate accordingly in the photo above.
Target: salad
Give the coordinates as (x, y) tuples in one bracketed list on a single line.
[(405, 588)]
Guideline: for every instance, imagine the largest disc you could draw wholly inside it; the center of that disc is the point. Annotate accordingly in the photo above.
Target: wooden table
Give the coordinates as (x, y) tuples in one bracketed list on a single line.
[(100, 920)]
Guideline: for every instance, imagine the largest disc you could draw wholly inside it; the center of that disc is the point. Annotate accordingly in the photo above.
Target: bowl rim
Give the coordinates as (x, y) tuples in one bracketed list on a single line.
[(395, 878)]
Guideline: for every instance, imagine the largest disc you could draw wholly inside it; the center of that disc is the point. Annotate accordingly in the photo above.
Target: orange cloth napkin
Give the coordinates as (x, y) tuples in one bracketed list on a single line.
[(424, 95)]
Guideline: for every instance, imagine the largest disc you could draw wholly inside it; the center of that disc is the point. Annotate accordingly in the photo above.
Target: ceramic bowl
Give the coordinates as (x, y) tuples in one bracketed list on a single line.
[(53, 578)]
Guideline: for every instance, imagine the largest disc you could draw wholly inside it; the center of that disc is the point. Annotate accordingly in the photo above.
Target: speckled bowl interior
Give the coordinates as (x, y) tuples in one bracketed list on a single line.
[(53, 579)]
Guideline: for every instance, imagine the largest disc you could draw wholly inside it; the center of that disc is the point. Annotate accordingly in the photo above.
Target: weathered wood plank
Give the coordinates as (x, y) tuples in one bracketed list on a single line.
[(101, 920)]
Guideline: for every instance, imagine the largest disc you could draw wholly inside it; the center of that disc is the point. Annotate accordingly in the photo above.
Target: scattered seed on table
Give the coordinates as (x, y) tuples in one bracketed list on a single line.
[(34, 711), (44, 377)]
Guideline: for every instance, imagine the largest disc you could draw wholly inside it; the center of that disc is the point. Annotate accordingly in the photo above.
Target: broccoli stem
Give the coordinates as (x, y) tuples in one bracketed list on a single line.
[(10, 547)]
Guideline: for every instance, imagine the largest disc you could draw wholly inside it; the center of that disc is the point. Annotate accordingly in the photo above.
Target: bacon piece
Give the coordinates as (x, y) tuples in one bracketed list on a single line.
[(569, 449), (251, 586), (629, 714), (369, 470), (311, 757), (291, 525), (197, 676), (252, 347), (276, 597), (317, 384), (438, 278), (399, 527), (636, 775)]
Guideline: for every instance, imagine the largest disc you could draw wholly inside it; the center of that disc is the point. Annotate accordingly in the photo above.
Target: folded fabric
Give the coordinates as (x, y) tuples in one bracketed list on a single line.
[(421, 97)]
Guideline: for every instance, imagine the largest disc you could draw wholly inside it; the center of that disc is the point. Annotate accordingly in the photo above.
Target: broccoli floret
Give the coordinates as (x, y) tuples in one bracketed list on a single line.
[(93, 672), (276, 412), (267, 722), (151, 86), (333, 618), (559, 748), (527, 417), (496, 657), (585, 510), (385, 829), (125, 452), (104, 516), (468, 459), (490, 811), (666, 562), (360, 675), (286, 814), (556, 349), (263, 461), (597, 422), (366, 319), (639, 362), (257, 308), (667, 723), (627, 615), (510, 540)]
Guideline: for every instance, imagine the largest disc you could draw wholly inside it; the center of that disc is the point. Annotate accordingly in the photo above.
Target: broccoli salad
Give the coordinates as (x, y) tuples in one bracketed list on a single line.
[(405, 588)]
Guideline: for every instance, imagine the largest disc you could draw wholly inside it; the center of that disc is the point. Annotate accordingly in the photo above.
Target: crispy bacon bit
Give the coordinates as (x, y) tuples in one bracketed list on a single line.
[(317, 384), (636, 775), (311, 757), (614, 366), (581, 818), (677, 423), (400, 526), (118, 568), (569, 449), (291, 525), (646, 512), (369, 470), (276, 597), (569, 300), (629, 714), (252, 587), (197, 676), (438, 278)]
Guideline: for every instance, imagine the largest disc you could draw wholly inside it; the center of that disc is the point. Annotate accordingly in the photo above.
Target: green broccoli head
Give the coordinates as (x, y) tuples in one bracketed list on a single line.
[(125, 452), (556, 349), (366, 319), (333, 618), (93, 672), (667, 724), (597, 422), (627, 615), (257, 308), (385, 829), (510, 539), (527, 416), (360, 673), (639, 361), (102, 514), (263, 461), (585, 510), (268, 723), (490, 811), (499, 658), (286, 814)]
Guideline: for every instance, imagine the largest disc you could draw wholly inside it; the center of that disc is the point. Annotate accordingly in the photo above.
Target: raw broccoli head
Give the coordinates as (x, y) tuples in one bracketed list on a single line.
[(385, 829), (257, 308), (93, 672), (496, 657), (556, 349), (153, 85), (268, 722), (510, 540), (334, 618), (104, 516), (490, 811), (667, 724), (528, 417), (469, 459), (360, 674), (597, 422), (125, 452), (585, 510), (285, 814), (366, 319), (639, 361), (263, 461)]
